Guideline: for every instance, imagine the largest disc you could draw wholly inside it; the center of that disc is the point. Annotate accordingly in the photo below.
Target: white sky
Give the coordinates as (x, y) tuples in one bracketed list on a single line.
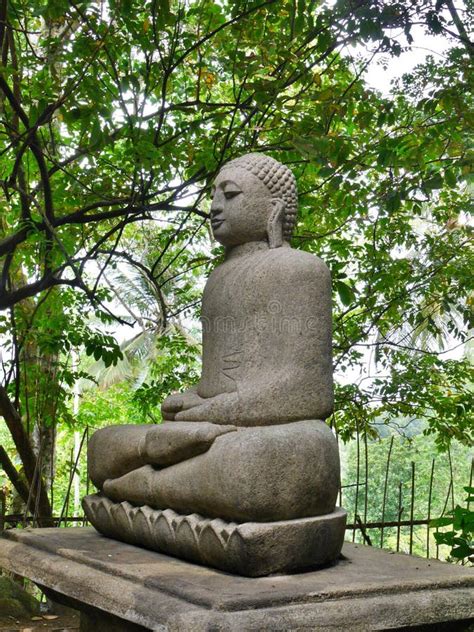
[(380, 76)]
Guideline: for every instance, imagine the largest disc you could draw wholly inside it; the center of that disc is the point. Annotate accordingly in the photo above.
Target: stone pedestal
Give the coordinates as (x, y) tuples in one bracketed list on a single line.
[(121, 587), (251, 549)]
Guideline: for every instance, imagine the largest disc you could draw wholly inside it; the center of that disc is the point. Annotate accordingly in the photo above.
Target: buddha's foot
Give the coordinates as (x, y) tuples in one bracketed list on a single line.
[(250, 548)]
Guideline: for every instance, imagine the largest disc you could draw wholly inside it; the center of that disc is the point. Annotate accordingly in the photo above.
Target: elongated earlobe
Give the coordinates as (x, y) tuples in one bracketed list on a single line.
[(275, 224)]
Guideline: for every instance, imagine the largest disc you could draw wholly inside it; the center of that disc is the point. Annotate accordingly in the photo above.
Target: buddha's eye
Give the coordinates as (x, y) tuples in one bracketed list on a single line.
[(231, 193)]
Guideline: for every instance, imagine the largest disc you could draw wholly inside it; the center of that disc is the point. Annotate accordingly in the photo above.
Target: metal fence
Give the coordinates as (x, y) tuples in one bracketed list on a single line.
[(408, 522)]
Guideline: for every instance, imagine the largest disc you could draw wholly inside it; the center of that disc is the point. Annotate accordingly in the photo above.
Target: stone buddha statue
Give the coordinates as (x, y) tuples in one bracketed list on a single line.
[(243, 474)]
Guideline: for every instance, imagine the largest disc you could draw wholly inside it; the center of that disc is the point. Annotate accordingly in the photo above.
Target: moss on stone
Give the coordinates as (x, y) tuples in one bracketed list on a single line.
[(14, 600)]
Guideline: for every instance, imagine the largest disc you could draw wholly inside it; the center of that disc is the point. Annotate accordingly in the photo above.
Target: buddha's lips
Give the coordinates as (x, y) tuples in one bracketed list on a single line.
[(215, 223)]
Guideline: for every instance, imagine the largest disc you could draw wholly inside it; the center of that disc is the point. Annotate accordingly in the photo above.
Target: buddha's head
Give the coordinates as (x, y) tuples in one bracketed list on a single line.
[(254, 199)]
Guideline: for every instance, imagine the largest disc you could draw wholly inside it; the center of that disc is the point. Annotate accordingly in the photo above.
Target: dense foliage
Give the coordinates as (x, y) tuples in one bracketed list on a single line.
[(114, 118), (460, 536)]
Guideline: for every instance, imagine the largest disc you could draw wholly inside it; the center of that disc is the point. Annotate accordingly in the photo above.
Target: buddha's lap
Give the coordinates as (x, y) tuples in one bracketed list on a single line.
[(113, 451), (255, 474), (116, 450)]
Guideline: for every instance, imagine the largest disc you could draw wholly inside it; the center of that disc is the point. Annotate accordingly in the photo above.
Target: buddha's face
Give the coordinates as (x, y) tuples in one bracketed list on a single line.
[(241, 207)]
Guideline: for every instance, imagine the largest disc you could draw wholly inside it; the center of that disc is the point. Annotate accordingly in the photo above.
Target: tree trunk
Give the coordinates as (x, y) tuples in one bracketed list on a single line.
[(27, 456)]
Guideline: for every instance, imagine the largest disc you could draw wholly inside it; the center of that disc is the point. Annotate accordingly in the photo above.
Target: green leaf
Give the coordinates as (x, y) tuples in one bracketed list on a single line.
[(441, 522), (450, 178), (96, 135), (459, 552), (436, 182), (393, 201), (346, 293)]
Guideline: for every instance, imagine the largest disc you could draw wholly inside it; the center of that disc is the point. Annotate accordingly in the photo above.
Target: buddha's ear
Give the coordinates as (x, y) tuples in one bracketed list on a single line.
[(275, 223)]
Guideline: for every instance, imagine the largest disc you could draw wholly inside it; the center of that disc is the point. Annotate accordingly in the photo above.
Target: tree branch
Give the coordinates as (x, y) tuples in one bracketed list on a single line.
[(12, 473), (463, 36)]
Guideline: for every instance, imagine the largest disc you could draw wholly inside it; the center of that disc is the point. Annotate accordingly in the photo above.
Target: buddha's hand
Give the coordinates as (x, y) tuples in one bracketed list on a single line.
[(220, 409), (178, 402), (169, 443)]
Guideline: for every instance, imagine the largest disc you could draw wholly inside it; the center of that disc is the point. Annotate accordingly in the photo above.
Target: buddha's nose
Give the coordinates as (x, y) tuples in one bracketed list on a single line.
[(216, 208), (217, 204)]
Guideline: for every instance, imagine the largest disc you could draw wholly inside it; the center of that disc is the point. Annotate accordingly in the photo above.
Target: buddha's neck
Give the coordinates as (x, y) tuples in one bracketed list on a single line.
[(245, 249), (248, 248)]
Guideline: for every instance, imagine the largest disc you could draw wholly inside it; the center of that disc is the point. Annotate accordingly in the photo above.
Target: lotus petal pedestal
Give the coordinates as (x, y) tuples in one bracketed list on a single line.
[(252, 548)]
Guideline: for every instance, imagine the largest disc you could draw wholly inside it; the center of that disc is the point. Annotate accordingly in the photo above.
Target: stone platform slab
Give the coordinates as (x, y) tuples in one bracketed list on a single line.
[(121, 587), (252, 549)]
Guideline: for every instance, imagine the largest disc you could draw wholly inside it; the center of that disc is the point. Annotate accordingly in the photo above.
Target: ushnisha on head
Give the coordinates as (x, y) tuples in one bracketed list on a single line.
[(254, 199)]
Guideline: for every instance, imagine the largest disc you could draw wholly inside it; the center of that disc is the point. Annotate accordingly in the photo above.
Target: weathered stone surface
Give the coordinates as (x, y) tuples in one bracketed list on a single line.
[(113, 451), (267, 371), (252, 548), (15, 601), (116, 450), (369, 589), (169, 443), (266, 318), (266, 311), (256, 474)]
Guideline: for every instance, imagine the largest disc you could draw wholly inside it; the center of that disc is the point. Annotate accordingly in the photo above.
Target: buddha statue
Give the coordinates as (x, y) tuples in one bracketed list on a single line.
[(243, 473)]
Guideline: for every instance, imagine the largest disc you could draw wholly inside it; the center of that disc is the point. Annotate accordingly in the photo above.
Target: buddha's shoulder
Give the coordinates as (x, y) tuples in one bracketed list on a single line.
[(292, 263)]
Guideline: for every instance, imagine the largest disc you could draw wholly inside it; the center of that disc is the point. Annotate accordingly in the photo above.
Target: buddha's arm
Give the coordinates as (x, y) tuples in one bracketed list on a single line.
[(221, 409), (278, 399)]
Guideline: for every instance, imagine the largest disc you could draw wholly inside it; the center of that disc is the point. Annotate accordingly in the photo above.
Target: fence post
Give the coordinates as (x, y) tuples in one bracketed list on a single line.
[(470, 484), (366, 464), (385, 491), (412, 505), (430, 492), (400, 511), (356, 508), (3, 509)]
